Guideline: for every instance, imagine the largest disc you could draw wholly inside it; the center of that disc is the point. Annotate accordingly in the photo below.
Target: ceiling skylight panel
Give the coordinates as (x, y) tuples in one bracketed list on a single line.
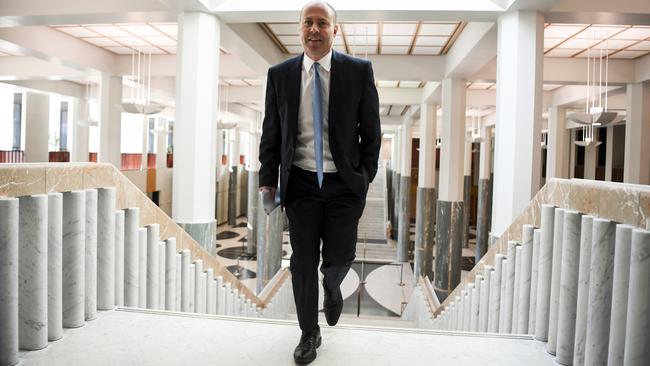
[(563, 52), (149, 49), (78, 31), (562, 31), (399, 29), (361, 40), (360, 50), (160, 41), (394, 50), (431, 41), (396, 40), (634, 33), (144, 30), (387, 83), (131, 41), (109, 31), (437, 29), (102, 41), (409, 84), (578, 43), (552, 42), (169, 29), (360, 28), (600, 32), (641, 46), (120, 50), (628, 54)]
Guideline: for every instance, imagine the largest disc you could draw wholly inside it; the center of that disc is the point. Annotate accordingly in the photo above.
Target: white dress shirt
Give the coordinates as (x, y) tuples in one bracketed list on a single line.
[(304, 156)]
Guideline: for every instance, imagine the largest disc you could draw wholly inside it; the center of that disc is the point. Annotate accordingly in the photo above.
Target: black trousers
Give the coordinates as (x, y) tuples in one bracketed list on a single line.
[(330, 214)]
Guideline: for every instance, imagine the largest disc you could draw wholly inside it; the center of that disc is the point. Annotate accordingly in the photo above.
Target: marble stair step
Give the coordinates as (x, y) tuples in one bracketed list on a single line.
[(158, 338)]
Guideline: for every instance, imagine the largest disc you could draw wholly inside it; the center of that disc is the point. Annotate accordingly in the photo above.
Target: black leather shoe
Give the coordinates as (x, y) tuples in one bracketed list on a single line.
[(332, 305), (306, 350)]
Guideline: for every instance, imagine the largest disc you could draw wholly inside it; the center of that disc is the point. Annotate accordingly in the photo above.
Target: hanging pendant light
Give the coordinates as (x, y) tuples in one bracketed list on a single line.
[(86, 121), (596, 112), (475, 132), (140, 100)]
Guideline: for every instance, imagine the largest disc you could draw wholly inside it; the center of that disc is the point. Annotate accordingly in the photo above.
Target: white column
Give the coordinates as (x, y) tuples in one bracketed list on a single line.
[(453, 140), (449, 208), (80, 136), (609, 153), (518, 127), (37, 114), (572, 154), (404, 224), (557, 158), (427, 156), (637, 134), (110, 124), (195, 133)]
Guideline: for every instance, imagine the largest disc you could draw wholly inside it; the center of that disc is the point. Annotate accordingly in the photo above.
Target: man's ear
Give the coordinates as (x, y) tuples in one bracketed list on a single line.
[(336, 29)]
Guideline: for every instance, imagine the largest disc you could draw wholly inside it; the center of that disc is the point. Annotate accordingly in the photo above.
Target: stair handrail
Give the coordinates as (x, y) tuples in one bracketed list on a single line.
[(61, 177), (275, 284), (596, 197)]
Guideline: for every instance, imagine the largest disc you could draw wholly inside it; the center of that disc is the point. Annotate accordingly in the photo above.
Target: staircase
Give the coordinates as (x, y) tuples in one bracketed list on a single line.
[(97, 275), (579, 282), (372, 224)]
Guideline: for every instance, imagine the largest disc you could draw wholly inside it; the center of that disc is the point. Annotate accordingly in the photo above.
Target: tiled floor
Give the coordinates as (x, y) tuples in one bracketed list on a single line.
[(141, 338)]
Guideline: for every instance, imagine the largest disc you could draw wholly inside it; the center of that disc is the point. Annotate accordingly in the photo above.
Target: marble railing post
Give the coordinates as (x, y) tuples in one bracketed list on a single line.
[(583, 290), (525, 271), (221, 296), (510, 286), (484, 296), (185, 280), (269, 245), (556, 275), (228, 298), (90, 268), (54, 266), (637, 338), (210, 291), (475, 297), (179, 284), (199, 288), (9, 281), (119, 258), (153, 265), (568, 288), (533, 281), (162, 270), (203, 278), (600, 292), (32, 257), (620, 293), (502, 297), (170, 274), (142, 267), (74, 220), (515, 292), (131, 256), (495, 294), (192, 288), (544, 273), (105, 248)]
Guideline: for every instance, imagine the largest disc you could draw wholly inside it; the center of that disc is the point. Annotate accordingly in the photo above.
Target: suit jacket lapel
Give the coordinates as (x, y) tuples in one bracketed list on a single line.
[(294, 75), (336, 75)]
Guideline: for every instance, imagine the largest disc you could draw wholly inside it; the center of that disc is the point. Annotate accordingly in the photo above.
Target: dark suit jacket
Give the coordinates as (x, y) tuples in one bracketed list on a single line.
[(353, 125)]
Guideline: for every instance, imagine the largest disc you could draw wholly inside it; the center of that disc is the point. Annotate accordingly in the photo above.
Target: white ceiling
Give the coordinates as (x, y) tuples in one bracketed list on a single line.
[(575, 40)]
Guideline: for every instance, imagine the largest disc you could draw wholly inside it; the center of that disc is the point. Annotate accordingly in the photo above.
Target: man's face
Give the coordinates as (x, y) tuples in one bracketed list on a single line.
[(317, 31)]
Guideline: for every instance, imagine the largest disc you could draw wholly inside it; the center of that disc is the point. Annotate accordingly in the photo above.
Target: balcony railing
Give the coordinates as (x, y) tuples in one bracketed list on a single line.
[(13, 156)]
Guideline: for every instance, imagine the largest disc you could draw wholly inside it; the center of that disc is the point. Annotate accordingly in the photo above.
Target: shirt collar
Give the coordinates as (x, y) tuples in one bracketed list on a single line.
[(325, 62)]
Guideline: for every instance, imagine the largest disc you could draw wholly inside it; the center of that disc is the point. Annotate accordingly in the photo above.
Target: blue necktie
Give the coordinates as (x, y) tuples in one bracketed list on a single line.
[(317, 107)]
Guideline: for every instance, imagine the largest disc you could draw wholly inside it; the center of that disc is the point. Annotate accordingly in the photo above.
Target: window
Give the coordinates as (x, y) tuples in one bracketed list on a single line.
[(18, 121)]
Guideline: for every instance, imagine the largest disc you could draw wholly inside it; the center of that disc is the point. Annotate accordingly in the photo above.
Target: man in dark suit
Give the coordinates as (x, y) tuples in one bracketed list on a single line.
[(321, 135)]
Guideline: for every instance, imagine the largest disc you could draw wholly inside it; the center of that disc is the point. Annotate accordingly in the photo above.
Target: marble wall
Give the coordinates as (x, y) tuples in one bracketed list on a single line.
[(37, 178), (619, 202)]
